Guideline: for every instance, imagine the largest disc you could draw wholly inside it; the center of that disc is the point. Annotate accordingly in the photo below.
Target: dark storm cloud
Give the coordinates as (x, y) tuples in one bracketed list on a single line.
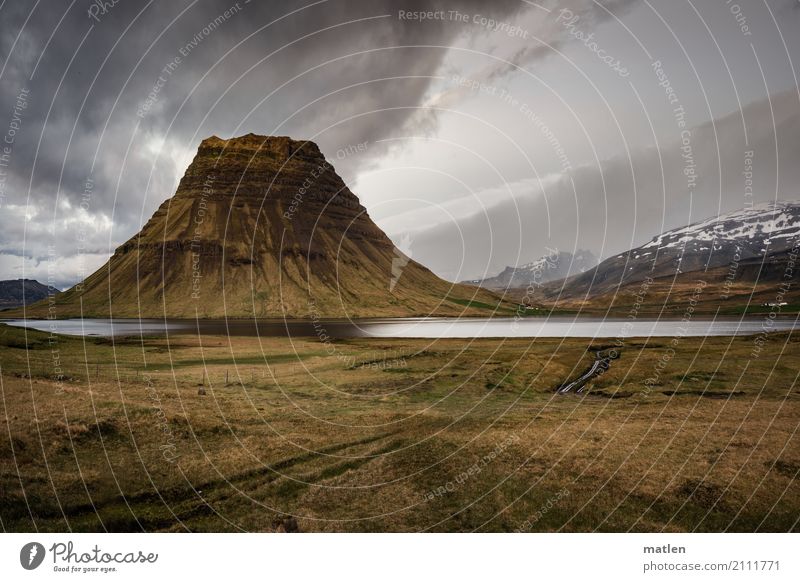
[(97, 76), (108, 86)]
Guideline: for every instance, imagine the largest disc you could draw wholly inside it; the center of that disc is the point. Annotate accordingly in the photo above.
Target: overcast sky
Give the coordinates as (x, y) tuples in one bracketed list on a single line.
[(492, 130)]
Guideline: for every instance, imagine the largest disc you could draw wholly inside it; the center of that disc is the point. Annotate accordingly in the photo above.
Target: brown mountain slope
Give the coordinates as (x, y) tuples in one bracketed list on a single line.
[(263, 226), (754, 284)]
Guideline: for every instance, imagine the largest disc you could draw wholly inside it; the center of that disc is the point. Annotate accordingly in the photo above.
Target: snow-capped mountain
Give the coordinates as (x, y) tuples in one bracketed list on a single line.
[(766, 225), (760, 233), (551, 267)]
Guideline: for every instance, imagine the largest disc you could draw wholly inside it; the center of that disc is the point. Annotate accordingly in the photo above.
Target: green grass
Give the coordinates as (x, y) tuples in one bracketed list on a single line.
[(519, 310), (477, 304)]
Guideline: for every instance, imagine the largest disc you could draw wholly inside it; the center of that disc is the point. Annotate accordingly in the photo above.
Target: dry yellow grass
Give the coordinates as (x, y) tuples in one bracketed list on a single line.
[(438, 436)]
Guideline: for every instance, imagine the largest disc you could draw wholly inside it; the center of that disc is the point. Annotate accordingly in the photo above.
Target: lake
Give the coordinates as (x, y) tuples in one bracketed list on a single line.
[(544, 327)]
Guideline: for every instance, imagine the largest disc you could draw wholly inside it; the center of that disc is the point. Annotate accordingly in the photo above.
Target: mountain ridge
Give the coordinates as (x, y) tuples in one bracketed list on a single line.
[(18, 292), (740, 249), (554, 266)]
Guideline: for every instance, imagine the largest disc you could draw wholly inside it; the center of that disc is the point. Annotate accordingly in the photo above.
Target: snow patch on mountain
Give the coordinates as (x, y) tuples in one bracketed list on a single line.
[(761, 223)]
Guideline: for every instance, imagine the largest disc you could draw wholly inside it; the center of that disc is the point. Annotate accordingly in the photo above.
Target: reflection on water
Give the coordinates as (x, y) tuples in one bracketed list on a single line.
[(552, 327)]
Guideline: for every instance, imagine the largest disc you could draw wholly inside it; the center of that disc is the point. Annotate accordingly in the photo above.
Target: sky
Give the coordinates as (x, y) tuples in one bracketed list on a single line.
[(480, 134)]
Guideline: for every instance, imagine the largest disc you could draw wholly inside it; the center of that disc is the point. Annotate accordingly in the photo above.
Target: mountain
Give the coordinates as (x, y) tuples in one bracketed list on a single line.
[(554, 266), (736, 253), (264, 226), (17, 292)]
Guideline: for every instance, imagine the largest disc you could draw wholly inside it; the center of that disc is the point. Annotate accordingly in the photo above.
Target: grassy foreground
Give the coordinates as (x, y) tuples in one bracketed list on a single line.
[(397, 435)]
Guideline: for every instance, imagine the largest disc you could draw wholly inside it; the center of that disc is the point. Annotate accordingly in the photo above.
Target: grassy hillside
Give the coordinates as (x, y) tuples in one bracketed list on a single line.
[(263, 226)]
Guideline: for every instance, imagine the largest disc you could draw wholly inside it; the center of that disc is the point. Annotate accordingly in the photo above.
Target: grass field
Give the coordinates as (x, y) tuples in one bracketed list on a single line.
[(397, 435)]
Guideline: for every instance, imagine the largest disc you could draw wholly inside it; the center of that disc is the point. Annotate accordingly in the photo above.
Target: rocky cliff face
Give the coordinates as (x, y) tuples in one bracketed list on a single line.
[(263, 226)]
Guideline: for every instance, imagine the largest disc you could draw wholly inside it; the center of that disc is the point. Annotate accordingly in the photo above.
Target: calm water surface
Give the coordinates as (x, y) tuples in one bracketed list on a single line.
[(552, 327)]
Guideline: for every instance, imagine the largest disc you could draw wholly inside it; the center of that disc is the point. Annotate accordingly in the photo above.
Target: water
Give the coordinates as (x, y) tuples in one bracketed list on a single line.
[(551, 327)]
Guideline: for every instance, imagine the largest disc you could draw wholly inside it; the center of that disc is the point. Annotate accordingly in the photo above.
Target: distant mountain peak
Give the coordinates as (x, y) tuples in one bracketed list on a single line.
[(550, 267), (17, 292)]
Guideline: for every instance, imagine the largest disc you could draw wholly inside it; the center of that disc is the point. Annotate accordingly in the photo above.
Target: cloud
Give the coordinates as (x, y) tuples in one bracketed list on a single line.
[(625, 202), (124, 98), (544, 35)]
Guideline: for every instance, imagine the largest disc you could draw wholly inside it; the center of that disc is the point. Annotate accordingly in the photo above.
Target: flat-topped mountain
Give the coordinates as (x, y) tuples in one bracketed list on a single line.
[(264, 227)]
